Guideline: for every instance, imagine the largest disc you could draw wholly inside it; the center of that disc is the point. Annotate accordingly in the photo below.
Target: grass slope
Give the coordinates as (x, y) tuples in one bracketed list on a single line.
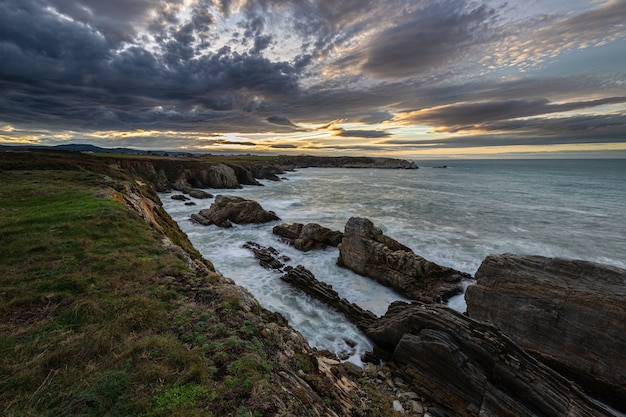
[(102, 316)]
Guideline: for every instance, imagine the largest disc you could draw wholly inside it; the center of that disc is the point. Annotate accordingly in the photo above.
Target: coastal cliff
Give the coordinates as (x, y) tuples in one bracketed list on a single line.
[(181, 173), (107, 309)]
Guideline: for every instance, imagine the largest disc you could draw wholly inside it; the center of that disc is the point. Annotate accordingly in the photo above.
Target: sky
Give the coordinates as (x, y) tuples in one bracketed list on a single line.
[(415, 79)]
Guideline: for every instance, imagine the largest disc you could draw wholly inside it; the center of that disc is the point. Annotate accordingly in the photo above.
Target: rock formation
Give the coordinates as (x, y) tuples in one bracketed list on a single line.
[(305, 161), (309, 236), (302, 278), (570, 313), (470, 369), (268, 257), (230, 209), (367, 251)]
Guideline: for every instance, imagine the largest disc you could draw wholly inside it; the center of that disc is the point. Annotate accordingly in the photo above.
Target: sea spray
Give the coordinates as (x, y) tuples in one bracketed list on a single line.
[(454, 217)]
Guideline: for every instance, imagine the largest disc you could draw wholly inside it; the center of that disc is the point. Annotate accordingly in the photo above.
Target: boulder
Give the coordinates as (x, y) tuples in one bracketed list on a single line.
[(570, 313), (179, 197), (309, 236), (231, 209), (289, 232), (367, 251), (470, 369)]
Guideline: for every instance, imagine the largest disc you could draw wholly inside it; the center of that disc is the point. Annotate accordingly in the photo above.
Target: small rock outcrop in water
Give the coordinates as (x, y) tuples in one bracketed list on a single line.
[(269, 258), (230, 209), (309, 236), (570, 313), (470, 369), (367, 251)]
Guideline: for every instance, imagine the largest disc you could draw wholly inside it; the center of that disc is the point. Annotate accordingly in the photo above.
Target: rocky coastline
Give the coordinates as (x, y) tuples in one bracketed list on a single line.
[(517, 351), (541, 336)]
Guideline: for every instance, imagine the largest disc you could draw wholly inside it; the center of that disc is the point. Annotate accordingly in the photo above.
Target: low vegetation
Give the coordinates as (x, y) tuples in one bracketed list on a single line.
[(102, 315)]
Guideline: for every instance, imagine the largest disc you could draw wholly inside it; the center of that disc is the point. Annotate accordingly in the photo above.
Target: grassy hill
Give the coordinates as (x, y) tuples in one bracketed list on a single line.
[(106, 309)]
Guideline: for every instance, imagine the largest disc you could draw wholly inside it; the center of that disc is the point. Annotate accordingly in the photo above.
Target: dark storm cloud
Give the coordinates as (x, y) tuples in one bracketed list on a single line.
[(470, 116), (358, 133), (428, 38), (282, 121), (116, 19), (61, 70), (143, 64)]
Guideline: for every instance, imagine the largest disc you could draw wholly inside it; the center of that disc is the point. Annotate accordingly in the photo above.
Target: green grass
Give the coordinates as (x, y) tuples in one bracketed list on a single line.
[(99, 318)]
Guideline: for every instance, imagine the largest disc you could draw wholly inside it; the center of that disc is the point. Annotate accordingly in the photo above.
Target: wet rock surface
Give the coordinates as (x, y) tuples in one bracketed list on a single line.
[(469, 368), (306, 237), (368, 252), (570, 313), (230, 209)]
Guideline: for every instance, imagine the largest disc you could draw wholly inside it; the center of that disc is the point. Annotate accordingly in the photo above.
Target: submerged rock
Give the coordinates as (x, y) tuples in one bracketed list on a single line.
[(230, 209), (308, 237), (367, 251), (570, 313), (268, 257), (470, 369)]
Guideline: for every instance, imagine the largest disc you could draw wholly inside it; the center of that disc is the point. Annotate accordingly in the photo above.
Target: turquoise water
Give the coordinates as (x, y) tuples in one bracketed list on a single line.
[(454, 216)]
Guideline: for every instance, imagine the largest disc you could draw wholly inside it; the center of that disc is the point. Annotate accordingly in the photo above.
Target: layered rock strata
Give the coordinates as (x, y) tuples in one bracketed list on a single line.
[(367, 251), (308, 237), (303, 279), (231, 209), (470, 369), (570, 313)]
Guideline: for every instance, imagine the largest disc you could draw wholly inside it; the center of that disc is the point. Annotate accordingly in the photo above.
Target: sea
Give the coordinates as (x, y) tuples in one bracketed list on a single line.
[(453, 212)]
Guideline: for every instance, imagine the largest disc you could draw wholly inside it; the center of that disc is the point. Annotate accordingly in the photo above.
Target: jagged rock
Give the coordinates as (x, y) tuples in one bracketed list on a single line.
[(218, 176), (470, 369), (288, 231), (227, 209), (302, 278), (244, 175), (309, 236), (161, 183), (179, 197), (266, 172), (367, 251), (570, 313), (269, 257), (184, 187)]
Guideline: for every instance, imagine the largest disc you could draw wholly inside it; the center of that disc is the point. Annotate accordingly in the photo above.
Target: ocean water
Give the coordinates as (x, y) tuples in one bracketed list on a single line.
[(454, 216)]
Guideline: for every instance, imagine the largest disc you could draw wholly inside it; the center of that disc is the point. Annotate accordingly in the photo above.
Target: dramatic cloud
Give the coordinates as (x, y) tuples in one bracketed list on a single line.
[(393, 77)]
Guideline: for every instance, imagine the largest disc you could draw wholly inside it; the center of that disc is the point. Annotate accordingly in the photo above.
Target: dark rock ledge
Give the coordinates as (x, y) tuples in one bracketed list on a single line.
[(470, 369), (572, 314)]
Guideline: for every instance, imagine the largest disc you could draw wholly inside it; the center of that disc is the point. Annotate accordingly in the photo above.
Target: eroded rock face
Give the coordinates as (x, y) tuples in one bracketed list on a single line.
[(470, 369), (308, 237), (367, 251), (231, 209), (570, 313)]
